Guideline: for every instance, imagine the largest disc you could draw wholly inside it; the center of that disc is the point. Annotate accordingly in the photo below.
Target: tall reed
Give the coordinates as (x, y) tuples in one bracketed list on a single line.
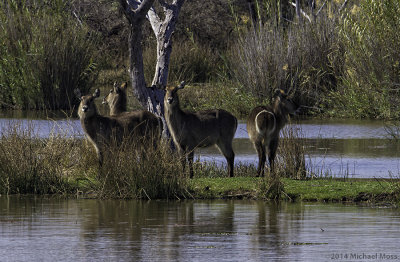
[(302, 58), (62, 164), (370, 85), (32, 165), (146, 172), (46, 54)]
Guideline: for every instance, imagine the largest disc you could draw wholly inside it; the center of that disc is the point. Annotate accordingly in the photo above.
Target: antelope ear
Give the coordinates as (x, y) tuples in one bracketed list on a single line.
[(182, 85), (280, 92), (116, 88), (96, 93), (77, 93)]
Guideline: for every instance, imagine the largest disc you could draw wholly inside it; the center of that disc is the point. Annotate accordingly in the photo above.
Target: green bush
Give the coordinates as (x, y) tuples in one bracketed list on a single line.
[(370, 86), (45, 54)]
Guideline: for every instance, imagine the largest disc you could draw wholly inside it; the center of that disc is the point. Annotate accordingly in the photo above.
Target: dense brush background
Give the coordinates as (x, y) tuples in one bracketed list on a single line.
[(339, 64)]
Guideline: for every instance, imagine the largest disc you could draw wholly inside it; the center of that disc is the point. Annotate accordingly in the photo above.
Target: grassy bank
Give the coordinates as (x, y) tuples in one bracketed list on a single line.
[(61, 165), (324, 189)]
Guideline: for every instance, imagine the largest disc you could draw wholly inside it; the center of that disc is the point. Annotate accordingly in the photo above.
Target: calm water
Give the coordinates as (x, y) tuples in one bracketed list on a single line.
[(36, 229), (338, 148)]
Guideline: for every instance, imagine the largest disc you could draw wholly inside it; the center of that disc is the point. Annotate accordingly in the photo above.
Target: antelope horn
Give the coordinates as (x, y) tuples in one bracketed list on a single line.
[(96, 93)]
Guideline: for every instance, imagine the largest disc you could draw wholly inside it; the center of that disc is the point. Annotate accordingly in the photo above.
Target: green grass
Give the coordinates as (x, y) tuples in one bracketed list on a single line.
[(224, 187), (325, 190)]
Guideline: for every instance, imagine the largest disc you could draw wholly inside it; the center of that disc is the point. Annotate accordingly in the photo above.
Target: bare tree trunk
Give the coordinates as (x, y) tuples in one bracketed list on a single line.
[(163, 30), (136, 12)]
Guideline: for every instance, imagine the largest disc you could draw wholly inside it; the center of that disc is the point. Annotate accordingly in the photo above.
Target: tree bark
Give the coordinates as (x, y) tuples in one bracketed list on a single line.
[(163, 30), (136, 12)]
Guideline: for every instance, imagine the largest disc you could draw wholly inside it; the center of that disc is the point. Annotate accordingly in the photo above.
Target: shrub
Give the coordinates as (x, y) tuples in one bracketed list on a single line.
[(30, 165), (370, 86), (46, 54), (291, 161), (189, 62), (149, 173), (303, 58)]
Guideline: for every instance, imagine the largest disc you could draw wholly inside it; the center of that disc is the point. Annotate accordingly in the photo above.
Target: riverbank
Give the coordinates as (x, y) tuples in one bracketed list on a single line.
[(321, 189), (61, 165)]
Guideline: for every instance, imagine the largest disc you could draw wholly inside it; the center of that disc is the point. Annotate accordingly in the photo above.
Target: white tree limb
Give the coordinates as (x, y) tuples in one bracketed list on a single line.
[(302, 12)]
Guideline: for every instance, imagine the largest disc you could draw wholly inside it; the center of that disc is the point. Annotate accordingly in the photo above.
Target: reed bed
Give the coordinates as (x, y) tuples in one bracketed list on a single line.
[(31, 165), (65, 164), (143, 172), (62, 164)]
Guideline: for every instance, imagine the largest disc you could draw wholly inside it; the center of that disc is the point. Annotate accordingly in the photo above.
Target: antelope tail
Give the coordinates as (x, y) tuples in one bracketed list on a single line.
[(261, 121)]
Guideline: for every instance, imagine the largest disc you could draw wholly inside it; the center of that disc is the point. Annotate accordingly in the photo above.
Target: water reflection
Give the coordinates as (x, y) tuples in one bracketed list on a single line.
[(38, 229)]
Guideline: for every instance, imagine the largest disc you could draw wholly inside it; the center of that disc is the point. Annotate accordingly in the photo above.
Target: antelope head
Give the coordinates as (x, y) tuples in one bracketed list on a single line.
[(286, 103), (87, 106), (171, 94), (115, 94)]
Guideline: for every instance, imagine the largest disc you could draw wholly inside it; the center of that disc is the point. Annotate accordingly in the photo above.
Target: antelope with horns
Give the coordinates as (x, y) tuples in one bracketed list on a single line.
[(190, 130), (264, 124), (102, 130)]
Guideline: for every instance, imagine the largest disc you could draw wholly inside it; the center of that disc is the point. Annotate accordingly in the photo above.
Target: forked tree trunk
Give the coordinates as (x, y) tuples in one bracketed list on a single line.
[(136, 12)]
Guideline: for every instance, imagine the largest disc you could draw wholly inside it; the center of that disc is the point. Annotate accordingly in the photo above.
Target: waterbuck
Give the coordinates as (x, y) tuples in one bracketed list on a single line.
[(264, 124), (116, 99), (190, 130), (102, 131)]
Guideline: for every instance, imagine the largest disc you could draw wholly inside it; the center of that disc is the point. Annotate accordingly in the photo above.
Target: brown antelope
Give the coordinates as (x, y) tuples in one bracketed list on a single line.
[(117, 100), (190, 130), (264, 124), (102, 130)]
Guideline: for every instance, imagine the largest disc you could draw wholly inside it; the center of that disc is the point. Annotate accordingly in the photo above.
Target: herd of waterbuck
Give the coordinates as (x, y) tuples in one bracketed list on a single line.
[(189, 130)]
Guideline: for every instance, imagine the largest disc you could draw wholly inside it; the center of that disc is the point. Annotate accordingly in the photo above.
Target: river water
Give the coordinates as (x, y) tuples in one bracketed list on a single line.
[(340, 148), (39, 229), (53, 229)]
